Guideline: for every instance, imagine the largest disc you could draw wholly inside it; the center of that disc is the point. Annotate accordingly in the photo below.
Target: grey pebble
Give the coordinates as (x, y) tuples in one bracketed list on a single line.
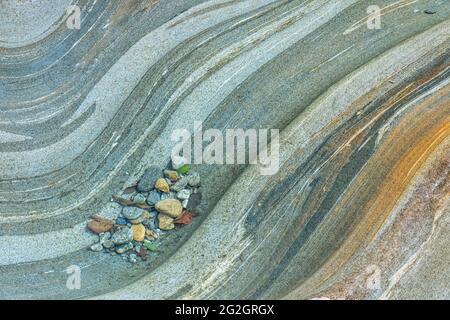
[(148, 179), (138, 198), (111, 210), (194, 179), (132, 213), (97, 247), (169, 195), (153, 197), (124, 248), (108, 244), (122, 236), (104, 236), (194, 200), (180, 184), (183, 194), (150, 223), (132, 258)]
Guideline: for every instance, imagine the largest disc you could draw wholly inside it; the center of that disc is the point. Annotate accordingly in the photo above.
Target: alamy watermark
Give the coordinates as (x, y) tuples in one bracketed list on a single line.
[(238, 146), (74, 279), (73, 20), (374, 17)]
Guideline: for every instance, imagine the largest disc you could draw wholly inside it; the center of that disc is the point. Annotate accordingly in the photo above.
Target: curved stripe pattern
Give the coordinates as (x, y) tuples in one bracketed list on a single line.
[(359, 208)]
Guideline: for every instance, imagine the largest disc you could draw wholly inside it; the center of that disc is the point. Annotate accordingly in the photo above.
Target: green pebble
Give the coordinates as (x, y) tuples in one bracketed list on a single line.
[(150, 246), (183, 169)]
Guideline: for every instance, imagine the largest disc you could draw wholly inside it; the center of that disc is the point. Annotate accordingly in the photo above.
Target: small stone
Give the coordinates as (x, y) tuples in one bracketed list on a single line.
[(139, 199), (111, 210), (97, 247), (153, 197), (132, 213), (142, 218), (151, 174), (108, 244), (122, 236), (124, 199), (162, 185), (170, 207), (194, 200), (184, 204), (429, 11), (150, 223), (121, 221), (165, 222), (104, 236), (132, 258), (100, 225), (169, 195), (124, 248), (180, 184), (138, 232), (183, 194), (151, 234), (172, 175), (194, 179), (178, 162)]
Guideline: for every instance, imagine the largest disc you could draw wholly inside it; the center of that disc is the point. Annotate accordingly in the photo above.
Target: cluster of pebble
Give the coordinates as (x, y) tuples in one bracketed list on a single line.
[(159, 201)]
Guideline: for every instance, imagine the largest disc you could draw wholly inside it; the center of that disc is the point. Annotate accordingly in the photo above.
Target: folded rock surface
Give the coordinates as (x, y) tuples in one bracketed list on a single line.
[(359, 208)]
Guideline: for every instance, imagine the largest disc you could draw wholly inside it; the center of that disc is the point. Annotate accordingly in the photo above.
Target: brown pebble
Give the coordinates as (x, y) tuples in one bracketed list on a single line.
[(100, 226), (172, 175)]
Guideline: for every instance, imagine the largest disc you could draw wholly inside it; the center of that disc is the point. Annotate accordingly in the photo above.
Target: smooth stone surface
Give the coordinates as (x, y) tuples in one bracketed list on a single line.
[(165, 222), (97, 247), (162, 185), (104, 237), (138, 232), (172, 175), (139, 198), (194, 179), (180, 184), (153, 197), (123, 235), (101, 226), (170, 207), (145, 216), (124, 248), (183, 194), (169, 195), (194, 201), (132, 213), (148, 179)]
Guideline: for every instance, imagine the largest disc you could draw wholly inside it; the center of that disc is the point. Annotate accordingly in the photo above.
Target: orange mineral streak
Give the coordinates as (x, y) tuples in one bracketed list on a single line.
[(406, 147)]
